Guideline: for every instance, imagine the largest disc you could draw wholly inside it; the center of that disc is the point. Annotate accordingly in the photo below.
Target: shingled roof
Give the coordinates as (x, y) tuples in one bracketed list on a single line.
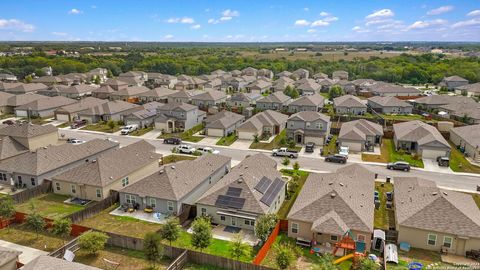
[(418, 131), (264, 118), (277, 97), (310, 100), (359, 130), (337, 202), (309, 116), (348, 101), (47, 103), (420, 204), (223, 119), (469, 134), (26, 130), (45, 262), (9, 147), (389, 102), (7, 255)]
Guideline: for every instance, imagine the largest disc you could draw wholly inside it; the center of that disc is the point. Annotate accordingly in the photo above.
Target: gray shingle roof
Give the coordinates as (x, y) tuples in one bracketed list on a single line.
[(18, 100), (223, 119), (420, 204), (389, 102), (309, 116), (470, 134), (474, 87), (348, 101), (455, 78), (174, 181), (310, 100), (47, 103), (27, 87), (264, 118), (337, 201), (26, 130), (277, 97), (45, 262), (7, 255), (9, 147), (358, 130), (210, 96), (418, 131), (81, 105), (111, 107)]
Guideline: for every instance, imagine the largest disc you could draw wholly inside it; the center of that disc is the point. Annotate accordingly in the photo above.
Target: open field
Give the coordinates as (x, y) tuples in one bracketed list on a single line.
[(324, 55), (50, 205)]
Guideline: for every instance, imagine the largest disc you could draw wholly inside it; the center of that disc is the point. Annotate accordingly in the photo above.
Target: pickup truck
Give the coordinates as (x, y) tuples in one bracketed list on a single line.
[(284, 152)]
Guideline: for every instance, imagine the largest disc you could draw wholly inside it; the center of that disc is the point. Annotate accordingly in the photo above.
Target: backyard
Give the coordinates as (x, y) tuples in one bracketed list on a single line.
[(458, 163), (176, 158), (279, 141), (288, 203), (383, 218), (102, 127), (50, 205), (21, 235), (227, 140), (140, 132), (389, 154), (187, 135), (402, 117)]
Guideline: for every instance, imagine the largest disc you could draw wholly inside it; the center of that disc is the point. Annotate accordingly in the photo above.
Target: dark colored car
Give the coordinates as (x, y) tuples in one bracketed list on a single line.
[(78, 123), (172, 141), (328, 139), (8, 122), (336, 158), (309, 147), (443, 161), (399, 165)]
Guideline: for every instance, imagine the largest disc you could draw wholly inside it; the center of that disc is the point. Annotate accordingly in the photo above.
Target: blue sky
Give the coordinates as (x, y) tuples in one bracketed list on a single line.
[(241, 21)]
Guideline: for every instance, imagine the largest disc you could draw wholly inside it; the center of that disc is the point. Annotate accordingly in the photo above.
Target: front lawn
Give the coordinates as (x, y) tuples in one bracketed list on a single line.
[(476, 198), (19, 234), (383, 218), (458, 163), (5, 116), (102, 127), (288, 203), (186, 135), (39, 121), (279, 141), (120, 225), (140, 132), (50, 205), (331, 147), (402, 117), (176, 158), (228, 140), (389, 154)]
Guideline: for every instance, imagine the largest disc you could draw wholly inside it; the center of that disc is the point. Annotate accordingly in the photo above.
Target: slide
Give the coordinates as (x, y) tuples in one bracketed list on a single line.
[(344, 258)]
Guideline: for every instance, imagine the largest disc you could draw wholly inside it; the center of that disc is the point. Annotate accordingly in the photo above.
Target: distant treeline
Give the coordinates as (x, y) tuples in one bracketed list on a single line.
[(413, 69)]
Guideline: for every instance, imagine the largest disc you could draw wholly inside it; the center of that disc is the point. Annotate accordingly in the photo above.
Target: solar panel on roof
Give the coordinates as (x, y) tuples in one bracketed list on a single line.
[(234, 192), (272, 192), (229, 202), (263, 185)]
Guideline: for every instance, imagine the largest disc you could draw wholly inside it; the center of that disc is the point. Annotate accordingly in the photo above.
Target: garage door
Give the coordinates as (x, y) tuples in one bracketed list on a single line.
[(353, 146), (245, 135), (63, 117), (432, 153), (316, 140), (20, 113), (215, 132)]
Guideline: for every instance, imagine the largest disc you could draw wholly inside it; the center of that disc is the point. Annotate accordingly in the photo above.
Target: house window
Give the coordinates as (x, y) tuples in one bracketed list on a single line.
[(432, 239), (170, 206), (32, 181), (99, 193), (222, 218), (294, 227), (130, 198), (153, 202), (334, 238), (291, 124), (447, 241), (19, 179), (57, 186), (247, 222), (204, 211), (73, 189), (318, 125), (125, 181), (3, 177), (361, 238)]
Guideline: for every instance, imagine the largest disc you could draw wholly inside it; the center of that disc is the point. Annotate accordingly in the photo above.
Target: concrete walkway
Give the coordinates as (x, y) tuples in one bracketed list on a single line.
[(460, 260), (28, 253)]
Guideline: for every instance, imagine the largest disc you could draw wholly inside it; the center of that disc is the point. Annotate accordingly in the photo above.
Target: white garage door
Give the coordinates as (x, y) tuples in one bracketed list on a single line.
[(215, 132), (20, 113), (63, 117), (353, 146), (316, 140), (431, 153), (245, 135)]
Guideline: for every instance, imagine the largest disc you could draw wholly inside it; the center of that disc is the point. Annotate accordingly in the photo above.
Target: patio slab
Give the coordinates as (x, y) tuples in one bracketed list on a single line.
[(226, 233), (28, 253), (460, 260), (149, 217)]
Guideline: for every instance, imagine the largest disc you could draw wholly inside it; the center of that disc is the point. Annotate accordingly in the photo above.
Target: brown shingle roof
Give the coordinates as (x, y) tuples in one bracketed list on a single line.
[(45, 262), (359, 130), (418, 131), (9, 147), (348, 101), (26, 130), (223, 119)]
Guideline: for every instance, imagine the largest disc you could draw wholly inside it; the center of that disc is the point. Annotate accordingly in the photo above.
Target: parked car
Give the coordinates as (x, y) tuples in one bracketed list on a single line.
[(309, 147), (344, 151), (172, 140), (336, 158), (186, 149), (127, 129), (399, 165), (284, 152), (328, 139), (208, 150), (75, 141), (8, 122), (78, 123), (443, 161)]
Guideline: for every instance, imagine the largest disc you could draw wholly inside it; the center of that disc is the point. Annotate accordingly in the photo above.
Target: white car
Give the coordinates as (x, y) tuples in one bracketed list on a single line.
[(344, 151), (208, 150), (75, 141), (127, 129), (186, 149)]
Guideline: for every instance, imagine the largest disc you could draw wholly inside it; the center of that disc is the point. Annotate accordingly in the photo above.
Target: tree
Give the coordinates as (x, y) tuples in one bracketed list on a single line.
[(201, 233), (285, 161), (35, 222), (264, 226), (296, 166), (170, 230), (152, 247), (335, 91), (256, 139), (28, 79), (284, 256), (325, 262), (7, 209), (111, 124), (96, 80), (92, 241), (238, 248), (62, 227)]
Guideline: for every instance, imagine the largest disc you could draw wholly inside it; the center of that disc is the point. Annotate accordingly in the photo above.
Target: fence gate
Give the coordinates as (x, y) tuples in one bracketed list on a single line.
[(179, 262)]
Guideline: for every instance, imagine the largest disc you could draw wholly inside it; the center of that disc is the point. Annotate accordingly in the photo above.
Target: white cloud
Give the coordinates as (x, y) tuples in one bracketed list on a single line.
[(331, 19), (311, 31), (230, 13), (74, 11), (185, 20), (306, 9), (196, 26), (62, 34), (426, 24), (440, 10), (382, 13), (319, 23), (302, 23), (225, 18), (472, 22), (168, 37), (93, 7), (474, 13), (14, 24), (324, 14)]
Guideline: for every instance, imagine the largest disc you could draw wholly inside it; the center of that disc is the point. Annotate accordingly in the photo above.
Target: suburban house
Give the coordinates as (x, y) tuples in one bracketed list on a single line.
[(469, 90), (249, 71), (330, 205), (284, 74), (309, 88), (223, 123), (340, 75), (103, 92), (276, 101), (48, 80), (45, 262), (312, 103), (31, 136), (349, 104), (432, 218), (8, 85), (69, 112), (252, 188), (468, 139), (420, 138), (176, 117), (8, 102), (161, 80), (389, 105), (392, 90), (360, 135), (258, 86), (131, 93), (175, 186), (9, 148), (281, 84), (308, 126), (9, 258), (453, 82), (159, 94), (113, 170), (44, 107), (439, 101), (300, 73), (112, 110), (134, 78), (144, 117), (320, 76), (181, 97), (266, 73), (209, 99), (116, 84), (31, 168), (215, 84), (243, 100), (266, 123), (26, 88), (4, 105), (76, 91)]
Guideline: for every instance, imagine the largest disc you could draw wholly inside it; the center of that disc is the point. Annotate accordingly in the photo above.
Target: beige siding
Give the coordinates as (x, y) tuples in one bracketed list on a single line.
[(244, 135), (39, 141), (215, 132), (353, 146), (317, 140)]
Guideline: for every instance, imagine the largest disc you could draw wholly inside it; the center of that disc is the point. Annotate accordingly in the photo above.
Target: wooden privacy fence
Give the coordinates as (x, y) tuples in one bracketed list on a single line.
[(95, 208), (262, 253), (179, 262), (27, 194), (72, 246)]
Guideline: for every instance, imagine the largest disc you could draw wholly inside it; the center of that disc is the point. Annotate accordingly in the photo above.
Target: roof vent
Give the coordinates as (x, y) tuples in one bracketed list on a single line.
[(434, 193), (240, 180), (445, 193), (341, 184), (93, 161), (173, 167), (45, 147), (111, 177), (333, 195), (331, 183)]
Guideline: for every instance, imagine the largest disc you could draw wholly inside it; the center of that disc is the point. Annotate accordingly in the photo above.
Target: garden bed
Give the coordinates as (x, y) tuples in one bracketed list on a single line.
[(227, 140), (186, 135), (288, 203), (176, 158)]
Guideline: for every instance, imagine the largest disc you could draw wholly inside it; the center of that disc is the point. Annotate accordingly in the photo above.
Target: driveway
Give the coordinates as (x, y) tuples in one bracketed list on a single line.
[(432, 165), (241, 144), (151, 134), (28, 253), (209, 141)]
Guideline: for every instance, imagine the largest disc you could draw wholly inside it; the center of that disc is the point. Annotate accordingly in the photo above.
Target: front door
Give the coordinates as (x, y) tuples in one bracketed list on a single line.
[(234, 221), (299, 138), (460, 247)]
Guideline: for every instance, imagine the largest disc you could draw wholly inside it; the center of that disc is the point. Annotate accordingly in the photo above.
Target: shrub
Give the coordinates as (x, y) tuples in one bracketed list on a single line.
[(286, 161), (92, 241)]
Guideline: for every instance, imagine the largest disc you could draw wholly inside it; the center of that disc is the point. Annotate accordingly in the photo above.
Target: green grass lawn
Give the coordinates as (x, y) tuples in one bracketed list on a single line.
[(476, 198), (38, 121), (186, 135), (288, 203), (19, 234), (383, 218), (389, 154), (402, 117), (331, 147), (50, 205), (458, 163), (227, 140), (279, 141), (191, 266), (101, 127), (176, 158), (140, 132), (5, 116)]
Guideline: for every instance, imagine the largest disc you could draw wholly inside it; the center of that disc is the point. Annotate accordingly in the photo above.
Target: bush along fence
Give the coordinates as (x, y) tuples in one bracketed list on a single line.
[(262, 253)]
